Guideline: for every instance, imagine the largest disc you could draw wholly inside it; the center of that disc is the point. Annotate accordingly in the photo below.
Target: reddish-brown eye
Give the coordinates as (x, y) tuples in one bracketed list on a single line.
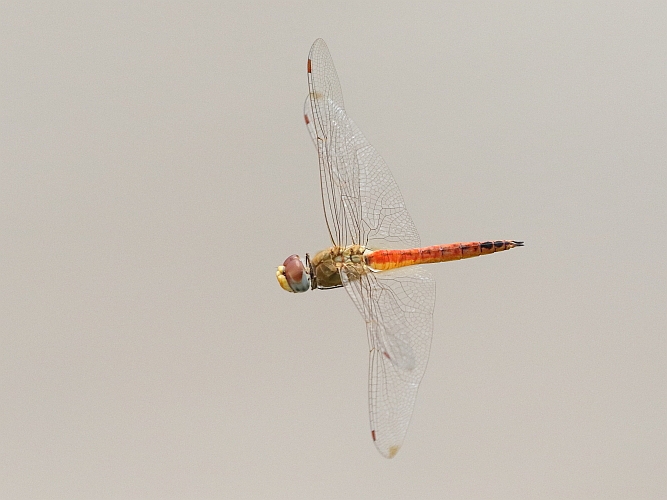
[(296, 274), (293, 269)]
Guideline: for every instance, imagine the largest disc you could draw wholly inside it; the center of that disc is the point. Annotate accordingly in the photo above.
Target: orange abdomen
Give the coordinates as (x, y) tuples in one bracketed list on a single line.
[(383, 260)]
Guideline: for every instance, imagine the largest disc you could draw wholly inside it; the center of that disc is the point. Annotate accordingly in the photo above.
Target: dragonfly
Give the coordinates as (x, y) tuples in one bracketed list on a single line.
[(375, 255)]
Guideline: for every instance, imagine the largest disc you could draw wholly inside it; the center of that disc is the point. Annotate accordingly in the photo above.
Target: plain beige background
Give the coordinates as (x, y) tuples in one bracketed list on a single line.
[(155, 168)]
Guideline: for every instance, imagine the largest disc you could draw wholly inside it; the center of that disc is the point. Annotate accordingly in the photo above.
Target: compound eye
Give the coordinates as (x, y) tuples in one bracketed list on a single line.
[(296, 274)]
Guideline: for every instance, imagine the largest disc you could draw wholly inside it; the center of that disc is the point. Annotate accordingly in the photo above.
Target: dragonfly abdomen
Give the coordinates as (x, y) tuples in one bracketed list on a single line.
[(383, 260)]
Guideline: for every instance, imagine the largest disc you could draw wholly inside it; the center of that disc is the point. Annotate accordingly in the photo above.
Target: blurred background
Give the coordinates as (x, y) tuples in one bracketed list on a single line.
[(155, 169)]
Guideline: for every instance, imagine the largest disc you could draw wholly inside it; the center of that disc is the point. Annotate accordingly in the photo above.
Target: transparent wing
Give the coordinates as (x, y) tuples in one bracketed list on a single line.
[(362, 202), (398, 309)]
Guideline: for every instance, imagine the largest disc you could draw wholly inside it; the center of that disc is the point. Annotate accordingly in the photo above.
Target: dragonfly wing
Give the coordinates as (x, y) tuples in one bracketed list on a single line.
[(362, 202), (398, 309)]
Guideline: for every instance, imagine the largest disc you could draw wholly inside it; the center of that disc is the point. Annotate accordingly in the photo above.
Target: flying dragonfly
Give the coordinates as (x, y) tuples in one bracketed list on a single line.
[(375, 255)]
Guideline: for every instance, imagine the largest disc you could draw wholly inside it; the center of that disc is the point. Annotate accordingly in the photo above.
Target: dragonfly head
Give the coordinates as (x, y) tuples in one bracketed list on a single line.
[(294, 275)]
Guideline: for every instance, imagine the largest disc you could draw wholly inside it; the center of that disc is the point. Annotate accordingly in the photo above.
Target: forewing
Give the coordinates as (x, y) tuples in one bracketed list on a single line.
[(362, 202), (398, 309)]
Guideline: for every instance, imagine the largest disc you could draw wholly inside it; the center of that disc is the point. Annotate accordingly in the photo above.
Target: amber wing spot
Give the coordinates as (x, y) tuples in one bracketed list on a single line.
[(305, 117), (309, 66), (373, 435), (386, 355), (393, 450)]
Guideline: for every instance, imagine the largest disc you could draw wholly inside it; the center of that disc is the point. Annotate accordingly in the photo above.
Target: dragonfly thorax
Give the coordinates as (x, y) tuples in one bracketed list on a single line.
[(326, 265)]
